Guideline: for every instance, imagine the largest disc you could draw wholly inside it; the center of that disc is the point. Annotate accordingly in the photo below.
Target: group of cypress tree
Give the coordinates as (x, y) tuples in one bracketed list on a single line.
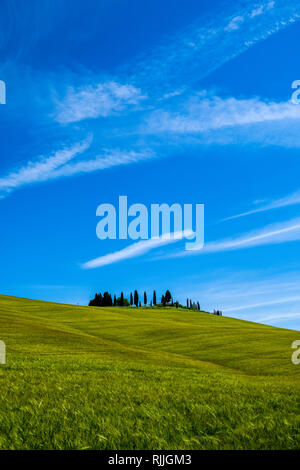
[(135, 299), (106, 300), (192, 305)]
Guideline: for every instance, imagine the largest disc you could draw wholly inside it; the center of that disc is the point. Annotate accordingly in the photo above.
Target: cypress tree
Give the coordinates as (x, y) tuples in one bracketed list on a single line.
[(106, 300), (136, 298), (145, 298), (168, 296), (154, 298), (131, 299)]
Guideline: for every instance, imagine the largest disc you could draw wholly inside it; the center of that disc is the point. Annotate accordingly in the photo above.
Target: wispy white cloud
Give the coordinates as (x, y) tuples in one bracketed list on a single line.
[(266, 303), (136, 249), (260, 9), (108, 159), (260, 296), (42, 168), (164, 73), (94, 101), (280, 317), (271, 234), (200, 115), (210, 42), (288, 200), (50, 286), (62, 164), (235, 23), (204, 113)]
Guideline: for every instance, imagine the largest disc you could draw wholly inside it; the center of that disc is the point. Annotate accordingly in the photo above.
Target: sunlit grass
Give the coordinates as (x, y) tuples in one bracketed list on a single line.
[(112, 378)]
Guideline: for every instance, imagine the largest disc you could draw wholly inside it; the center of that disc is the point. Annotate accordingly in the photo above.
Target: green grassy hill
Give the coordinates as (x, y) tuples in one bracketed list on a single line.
[(119, 378)]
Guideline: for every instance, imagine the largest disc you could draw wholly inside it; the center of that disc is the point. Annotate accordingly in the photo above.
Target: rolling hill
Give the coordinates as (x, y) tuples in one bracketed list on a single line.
[(123, 378)]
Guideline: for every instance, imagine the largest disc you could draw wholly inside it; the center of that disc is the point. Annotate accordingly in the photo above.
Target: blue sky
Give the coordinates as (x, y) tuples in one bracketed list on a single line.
[(162, 101)]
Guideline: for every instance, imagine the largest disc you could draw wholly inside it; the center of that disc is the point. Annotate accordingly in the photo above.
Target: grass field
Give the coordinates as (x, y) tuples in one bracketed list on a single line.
[(113, 378)]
